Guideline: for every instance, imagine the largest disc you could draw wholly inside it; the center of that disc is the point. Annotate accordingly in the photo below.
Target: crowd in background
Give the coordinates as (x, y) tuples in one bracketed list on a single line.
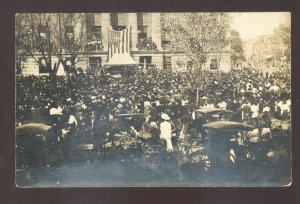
[(80, 100)]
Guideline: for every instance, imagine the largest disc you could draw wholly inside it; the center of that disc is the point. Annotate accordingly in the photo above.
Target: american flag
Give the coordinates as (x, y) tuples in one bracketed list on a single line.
[(118, 42)]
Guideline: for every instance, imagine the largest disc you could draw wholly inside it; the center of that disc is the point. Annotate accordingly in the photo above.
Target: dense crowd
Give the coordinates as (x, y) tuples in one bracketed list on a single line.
[(160, 95)]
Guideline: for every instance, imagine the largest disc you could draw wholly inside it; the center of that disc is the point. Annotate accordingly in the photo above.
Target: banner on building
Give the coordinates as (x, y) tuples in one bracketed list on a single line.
[(119, 47)]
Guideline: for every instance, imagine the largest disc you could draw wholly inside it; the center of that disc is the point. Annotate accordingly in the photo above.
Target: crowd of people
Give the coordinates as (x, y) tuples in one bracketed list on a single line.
[(161, 96)]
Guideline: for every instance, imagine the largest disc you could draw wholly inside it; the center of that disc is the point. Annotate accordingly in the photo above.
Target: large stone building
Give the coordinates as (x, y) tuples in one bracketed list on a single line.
[(143, 26)]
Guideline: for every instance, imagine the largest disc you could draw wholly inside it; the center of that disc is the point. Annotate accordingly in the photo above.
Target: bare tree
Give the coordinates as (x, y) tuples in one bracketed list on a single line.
[(50, 40), (21, 54), (72, 39)]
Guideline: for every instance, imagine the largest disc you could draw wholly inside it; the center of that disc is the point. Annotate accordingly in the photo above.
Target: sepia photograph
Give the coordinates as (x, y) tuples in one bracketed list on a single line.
[(183, 99)]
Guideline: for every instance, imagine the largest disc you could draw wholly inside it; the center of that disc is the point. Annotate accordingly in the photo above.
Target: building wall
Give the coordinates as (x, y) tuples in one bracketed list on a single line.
[(105, 20), (157, 58), (153, 21), (224, 61), (31, 67), (180, 62), (83, 62)]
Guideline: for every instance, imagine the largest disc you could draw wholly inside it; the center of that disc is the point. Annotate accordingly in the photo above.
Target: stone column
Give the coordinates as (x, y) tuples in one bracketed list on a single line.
[(105, 22), (156, 29), (132, 21)]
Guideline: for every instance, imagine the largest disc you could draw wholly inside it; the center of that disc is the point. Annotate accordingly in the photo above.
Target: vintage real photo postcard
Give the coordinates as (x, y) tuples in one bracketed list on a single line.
[(153, 99)]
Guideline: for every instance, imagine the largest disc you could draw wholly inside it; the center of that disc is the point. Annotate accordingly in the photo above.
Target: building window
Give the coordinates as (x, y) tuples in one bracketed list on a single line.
[(90, 22), (166, 45), (43, 69), (142, 32), (94, 39), (69, 32), (94, 62), (145, 59), (43, 32), (94, 65), (96, 33), (214, 64), (167, 62), (41, 40)]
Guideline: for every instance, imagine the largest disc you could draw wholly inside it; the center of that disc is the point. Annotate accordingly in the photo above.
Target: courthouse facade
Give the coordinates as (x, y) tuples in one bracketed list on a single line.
[(143, 26)]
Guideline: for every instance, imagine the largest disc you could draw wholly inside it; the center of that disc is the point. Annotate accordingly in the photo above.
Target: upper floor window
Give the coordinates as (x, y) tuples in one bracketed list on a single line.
[(142, 32), (41, 42), (69, 32), (43, 31), (214, 64), (166, 45), (96, 33)]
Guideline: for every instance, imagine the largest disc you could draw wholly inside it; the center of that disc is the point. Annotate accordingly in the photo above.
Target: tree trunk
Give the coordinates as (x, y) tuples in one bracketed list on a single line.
[(53, 84), (197, 99), (67, 69), (198, 81)]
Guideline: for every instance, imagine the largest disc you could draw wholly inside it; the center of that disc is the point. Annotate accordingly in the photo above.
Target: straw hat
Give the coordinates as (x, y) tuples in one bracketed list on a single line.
[(165, 116)]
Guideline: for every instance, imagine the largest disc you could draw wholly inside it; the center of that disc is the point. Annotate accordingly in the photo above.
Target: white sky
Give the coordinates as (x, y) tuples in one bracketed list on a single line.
[(252, 24)]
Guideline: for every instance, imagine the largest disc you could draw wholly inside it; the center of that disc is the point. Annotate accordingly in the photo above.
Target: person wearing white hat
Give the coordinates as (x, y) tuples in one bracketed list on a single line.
[(266, 109), (166, 131)]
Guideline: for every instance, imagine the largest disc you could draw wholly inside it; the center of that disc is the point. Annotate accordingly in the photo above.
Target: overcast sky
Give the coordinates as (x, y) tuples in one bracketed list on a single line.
[(252, 24)]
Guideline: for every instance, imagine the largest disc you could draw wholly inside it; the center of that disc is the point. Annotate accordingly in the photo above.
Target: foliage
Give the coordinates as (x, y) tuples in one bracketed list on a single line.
[(70, 44), (283, 34), (277, 46), (39, 40), (197, 34), (146, 44), (237, 51)]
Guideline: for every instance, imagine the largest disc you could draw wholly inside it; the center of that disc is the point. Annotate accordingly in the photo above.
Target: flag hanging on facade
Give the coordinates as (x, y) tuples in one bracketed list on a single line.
[(118, 42)]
